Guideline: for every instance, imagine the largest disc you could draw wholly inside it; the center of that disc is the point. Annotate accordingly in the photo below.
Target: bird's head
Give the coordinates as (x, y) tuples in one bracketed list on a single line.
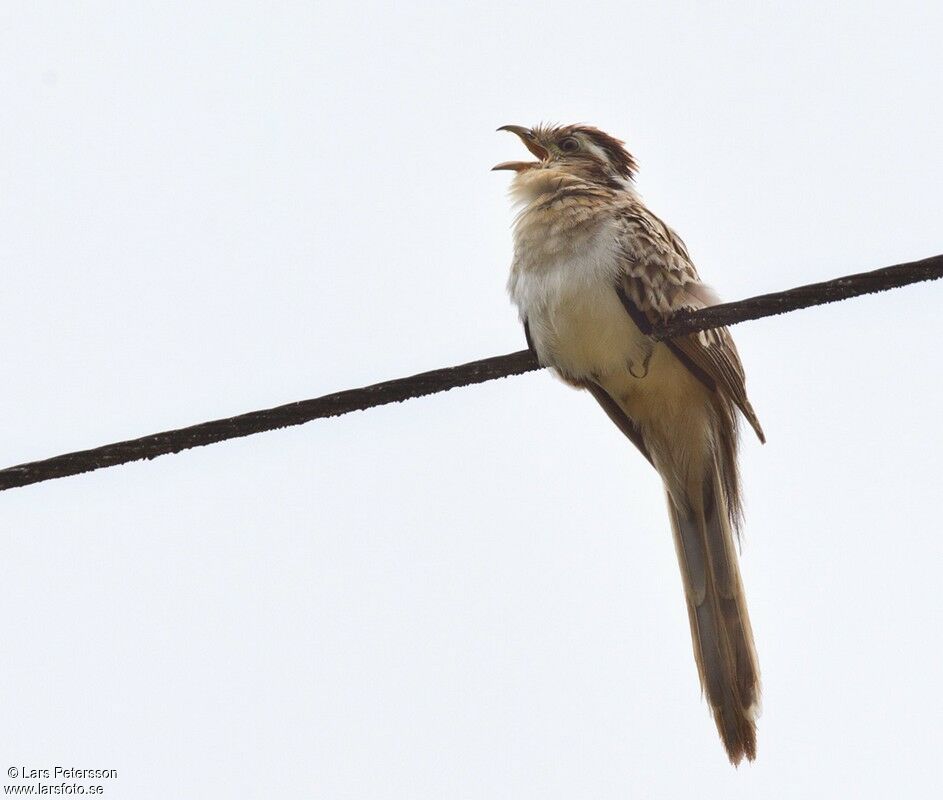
[(580, 151)]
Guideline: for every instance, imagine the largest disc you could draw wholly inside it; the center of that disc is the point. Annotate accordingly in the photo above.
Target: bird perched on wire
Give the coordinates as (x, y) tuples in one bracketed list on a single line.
[(593, 271)]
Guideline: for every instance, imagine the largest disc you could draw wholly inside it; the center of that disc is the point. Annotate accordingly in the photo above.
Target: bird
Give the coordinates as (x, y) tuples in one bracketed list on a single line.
[(594, 271)]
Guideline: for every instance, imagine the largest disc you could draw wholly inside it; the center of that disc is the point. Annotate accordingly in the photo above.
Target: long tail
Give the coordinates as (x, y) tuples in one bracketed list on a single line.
[(720, 625)]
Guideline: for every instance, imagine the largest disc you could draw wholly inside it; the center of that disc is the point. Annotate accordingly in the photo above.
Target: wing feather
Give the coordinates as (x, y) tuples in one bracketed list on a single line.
[(657, 279)]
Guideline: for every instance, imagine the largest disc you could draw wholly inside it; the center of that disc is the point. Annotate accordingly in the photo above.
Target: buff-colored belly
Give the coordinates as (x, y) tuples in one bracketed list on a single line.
[(566, 291), (585, 333)]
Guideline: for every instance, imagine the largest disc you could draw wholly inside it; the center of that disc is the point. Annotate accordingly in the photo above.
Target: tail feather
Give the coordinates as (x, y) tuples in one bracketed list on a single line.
[(720, 625)]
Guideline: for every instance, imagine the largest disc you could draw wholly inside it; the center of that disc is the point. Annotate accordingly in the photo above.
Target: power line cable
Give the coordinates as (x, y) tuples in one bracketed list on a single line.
[(440, 380)]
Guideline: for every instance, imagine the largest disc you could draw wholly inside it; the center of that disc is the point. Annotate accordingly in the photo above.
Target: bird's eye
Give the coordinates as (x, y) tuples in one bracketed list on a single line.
[(569, 145)]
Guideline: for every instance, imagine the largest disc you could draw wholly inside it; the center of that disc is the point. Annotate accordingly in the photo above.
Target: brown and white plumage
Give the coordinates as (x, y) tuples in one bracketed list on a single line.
[(593, 270)]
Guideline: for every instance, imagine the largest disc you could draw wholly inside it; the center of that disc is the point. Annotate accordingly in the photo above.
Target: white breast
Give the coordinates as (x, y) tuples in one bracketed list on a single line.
[(563, 282)]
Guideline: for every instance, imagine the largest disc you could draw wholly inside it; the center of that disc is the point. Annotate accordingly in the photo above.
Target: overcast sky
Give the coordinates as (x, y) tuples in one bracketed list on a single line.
[(213, 207)]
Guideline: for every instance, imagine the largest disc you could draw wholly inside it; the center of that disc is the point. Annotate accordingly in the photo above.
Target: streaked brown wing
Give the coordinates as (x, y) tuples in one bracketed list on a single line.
[(717, 355), (659, 279)]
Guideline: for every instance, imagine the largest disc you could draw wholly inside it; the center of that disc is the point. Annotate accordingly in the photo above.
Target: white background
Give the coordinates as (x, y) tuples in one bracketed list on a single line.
[(215, 207)]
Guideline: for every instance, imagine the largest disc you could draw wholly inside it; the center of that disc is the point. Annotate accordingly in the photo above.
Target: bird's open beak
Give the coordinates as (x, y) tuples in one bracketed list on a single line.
[(527, 137)]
